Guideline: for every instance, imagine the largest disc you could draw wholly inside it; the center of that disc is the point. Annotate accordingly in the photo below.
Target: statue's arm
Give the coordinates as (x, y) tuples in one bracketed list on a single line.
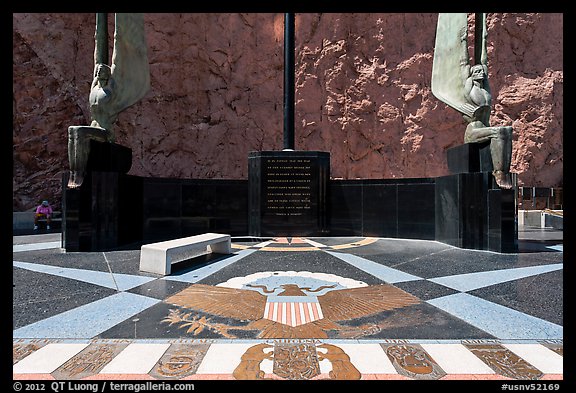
[(94, 81), (465, 61), (484, 53), (468, 84)]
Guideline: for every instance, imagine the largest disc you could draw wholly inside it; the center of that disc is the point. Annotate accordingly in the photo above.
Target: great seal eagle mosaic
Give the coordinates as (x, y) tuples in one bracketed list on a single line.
[(285, 305)]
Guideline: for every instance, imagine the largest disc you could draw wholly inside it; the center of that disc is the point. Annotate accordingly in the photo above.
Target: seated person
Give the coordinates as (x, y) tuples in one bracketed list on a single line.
[(43, 210)]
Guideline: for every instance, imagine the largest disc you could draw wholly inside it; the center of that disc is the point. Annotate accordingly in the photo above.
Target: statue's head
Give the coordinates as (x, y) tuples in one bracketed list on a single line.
[(477, 72), (103, 71)]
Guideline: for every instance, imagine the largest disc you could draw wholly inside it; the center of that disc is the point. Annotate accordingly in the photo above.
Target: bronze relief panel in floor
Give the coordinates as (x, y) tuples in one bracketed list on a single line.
[(89, 361), (413, 361), (504, 362), (296, 361), (179, 361)]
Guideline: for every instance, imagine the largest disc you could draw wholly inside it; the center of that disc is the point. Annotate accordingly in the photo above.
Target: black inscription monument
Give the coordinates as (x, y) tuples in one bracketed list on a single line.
[(287, 193)]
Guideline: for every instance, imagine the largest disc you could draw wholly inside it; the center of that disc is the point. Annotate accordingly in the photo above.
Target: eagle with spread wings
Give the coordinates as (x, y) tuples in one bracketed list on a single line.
[(294, 313)]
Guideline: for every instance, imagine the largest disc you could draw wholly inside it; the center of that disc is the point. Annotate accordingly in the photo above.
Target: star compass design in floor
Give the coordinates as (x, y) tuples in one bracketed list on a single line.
[(304, 244)]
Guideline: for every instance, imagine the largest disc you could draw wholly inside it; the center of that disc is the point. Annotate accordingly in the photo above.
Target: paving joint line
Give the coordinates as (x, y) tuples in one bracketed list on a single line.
[(110, 270)]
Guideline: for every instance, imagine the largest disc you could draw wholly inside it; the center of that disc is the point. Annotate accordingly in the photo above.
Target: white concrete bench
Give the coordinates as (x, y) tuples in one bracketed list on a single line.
[(159, 257)]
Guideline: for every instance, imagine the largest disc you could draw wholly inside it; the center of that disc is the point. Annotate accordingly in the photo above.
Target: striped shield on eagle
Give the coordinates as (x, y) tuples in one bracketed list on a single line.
[(293, 306), (293, 310)]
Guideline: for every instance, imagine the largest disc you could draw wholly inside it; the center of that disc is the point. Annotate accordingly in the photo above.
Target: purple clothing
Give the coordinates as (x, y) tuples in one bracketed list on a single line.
[(46, 210)]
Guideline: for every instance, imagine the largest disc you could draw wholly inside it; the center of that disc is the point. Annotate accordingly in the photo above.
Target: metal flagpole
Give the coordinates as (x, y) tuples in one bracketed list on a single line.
[(289, 81), (101, 37), (479, 26)]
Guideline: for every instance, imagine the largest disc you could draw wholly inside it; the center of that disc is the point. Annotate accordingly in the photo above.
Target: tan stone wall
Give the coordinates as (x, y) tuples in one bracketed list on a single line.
[(362, 93)]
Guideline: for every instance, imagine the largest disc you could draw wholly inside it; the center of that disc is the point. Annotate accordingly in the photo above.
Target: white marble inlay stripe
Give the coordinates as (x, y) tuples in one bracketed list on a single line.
[(35, 246), (263, 244), (224, 358), (103, 279), (129, 281), (544, 359), (204, 271), (470, 281), (136, 358), (499, 321), (382, 272), (313, 243), (456, 359), (367, 358), (88, 320), (47, 359)]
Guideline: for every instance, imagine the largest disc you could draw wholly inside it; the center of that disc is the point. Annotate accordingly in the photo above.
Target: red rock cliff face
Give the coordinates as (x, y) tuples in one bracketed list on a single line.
[(362, 93)]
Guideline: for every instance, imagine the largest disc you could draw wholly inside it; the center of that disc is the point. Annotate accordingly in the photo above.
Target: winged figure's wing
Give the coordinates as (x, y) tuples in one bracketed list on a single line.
[(226, 302), (359, 302), (447, 82), (130, 68)]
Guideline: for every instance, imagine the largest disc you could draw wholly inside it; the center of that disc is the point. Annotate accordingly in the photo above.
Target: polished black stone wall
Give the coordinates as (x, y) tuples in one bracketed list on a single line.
[(288, 193), (185, 207), (113, 210), (397, 208)]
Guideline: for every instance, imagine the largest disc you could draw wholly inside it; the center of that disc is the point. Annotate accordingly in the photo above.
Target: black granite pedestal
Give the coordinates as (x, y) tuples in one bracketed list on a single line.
[(104, 212), (469, 158), (288, 193), (472, 211)]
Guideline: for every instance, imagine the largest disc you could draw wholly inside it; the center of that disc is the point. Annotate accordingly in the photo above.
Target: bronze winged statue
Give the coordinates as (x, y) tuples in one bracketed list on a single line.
[(115, 86), (465, 87)]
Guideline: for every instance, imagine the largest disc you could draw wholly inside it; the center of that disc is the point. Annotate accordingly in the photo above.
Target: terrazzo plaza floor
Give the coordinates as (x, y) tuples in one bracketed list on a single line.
[(292, 309)]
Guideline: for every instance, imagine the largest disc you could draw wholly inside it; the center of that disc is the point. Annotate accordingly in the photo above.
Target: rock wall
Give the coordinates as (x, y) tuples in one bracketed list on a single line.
[(362, 93)]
